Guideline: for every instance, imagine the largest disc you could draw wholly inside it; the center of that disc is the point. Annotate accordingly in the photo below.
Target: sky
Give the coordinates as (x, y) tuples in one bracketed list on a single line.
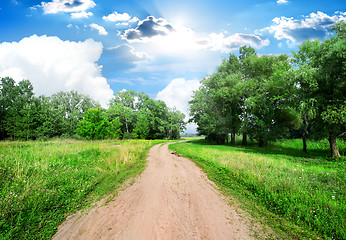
[(159, 47)]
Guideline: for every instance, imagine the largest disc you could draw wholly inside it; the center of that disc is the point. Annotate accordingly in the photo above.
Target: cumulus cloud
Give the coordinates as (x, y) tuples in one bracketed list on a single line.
[(134, 19), (281, 1), (121, 58), (315, 25), (220, 42), (100, 29), (54, 65), (148, 28), (66, 6), (115, 17), (81, 14), (122, 24), (128, 54), (170, 39), (177, 94)]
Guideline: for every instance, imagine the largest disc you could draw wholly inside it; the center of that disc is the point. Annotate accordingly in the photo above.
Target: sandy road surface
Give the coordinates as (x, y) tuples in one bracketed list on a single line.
[(172, 199)]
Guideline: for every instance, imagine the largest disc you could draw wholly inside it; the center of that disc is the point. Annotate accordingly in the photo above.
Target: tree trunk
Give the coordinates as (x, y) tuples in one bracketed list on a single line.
[(304, 142), (232, 138), (333, 146), (244, 142), (262, 143), (127, 127), (305, 133)]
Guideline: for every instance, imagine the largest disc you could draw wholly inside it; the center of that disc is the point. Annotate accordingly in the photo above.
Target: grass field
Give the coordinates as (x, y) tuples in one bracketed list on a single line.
[(42, 182), (300, 195)]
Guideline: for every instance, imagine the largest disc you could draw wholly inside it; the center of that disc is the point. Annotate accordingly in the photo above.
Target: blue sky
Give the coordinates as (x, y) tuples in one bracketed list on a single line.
[(160, 47)]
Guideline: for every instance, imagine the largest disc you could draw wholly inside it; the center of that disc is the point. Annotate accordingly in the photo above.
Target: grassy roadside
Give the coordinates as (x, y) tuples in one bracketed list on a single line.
[(43, 182), (301, 196)]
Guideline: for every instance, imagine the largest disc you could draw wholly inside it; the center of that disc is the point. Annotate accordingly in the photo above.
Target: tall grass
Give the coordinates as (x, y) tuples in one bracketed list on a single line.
[(42, 182), (304, 189)]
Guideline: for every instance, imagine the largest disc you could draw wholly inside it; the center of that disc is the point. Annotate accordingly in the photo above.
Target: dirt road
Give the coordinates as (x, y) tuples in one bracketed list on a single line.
[(172, 199)]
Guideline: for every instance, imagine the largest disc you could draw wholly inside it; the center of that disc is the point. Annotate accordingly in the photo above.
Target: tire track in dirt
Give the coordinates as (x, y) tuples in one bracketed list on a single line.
[(172, 199)]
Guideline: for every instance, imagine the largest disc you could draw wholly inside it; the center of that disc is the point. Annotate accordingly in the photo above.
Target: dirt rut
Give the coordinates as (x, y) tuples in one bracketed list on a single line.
[(172, 199)]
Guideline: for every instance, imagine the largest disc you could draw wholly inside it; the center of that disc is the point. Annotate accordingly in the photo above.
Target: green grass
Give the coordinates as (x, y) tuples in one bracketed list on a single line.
[(300, 195), (43, 182)]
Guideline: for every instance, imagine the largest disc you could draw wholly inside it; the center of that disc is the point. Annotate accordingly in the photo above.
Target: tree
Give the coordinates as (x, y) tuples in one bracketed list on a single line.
[(305, 99), (69, 108), (251, 95), (29, 120), (176, 123), (270, 104), (18, 116), (123, 106), (141, 130), (244, 88), (125, 115), (143, 117), (94, 125), (8, 92), (214, 107), (326, 61)]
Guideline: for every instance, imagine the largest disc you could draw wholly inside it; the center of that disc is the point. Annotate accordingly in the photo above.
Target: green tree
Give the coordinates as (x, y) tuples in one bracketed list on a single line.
[(244, 88), (123, 106), (124, 114), (176, 123), (94, 125), (250, 95), (28, 121), (18, 118), (69, 106), (326, 61), (305, 99), (215, 106), (141, 116), (50, 118), (270, 104), (141, 130), (8, 91)]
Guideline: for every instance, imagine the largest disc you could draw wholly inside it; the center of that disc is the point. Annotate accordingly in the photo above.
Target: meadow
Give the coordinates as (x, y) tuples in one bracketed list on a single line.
[(43, 182), (299, 195)]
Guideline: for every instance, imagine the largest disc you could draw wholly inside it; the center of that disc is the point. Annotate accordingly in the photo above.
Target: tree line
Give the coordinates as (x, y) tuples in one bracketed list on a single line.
[(70, 114), (268, 97)]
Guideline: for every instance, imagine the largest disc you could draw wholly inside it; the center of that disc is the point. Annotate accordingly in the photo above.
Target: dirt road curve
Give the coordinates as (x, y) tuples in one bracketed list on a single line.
[(172, 199)]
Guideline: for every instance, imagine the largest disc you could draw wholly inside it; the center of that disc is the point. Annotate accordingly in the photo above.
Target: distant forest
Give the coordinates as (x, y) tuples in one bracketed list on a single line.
[(24, 116), (268, 97)]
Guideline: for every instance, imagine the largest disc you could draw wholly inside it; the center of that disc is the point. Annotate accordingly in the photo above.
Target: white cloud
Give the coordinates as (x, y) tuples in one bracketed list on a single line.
[(102, 30), (164, 38), (134, 19), (115, 17), (220, 42), (315, 25), (122, 24), (177, 94), (147, 29), (66, 6), (121, 58), (281, 1), (81, 14), (54, 65), (128, 53)]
